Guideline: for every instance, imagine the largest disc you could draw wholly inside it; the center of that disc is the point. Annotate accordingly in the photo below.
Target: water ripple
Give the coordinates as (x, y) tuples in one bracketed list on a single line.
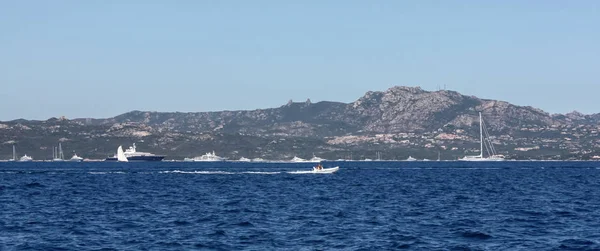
[(364, 206)]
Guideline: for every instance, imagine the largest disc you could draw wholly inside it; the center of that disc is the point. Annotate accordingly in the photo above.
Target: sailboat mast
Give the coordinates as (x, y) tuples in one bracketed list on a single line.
[(480, 136), (14, 153)]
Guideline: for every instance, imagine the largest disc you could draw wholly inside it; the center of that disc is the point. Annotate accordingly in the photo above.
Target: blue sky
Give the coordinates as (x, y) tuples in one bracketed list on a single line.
[(103, 58)]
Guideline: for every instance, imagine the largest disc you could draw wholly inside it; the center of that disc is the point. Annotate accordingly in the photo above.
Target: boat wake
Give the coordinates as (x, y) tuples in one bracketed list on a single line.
[(244, 172), (251, 172), (300, 172), (197, 172), (218, 172), (117, 172), (308, 172)]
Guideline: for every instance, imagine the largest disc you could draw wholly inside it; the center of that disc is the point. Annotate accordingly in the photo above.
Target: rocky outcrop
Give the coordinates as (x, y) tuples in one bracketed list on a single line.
[(398, 109)]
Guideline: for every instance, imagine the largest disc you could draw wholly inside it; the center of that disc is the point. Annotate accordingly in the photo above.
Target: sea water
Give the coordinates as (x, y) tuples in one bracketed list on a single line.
[(265, 206)]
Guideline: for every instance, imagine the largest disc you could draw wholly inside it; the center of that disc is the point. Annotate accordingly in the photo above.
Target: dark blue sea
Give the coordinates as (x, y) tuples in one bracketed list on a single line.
[(261, 206)]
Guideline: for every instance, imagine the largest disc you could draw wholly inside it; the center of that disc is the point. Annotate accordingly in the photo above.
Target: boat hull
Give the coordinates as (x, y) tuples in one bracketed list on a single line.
[(324, 170), (327, 170), (203, 160), (481, 159), (139, 158)]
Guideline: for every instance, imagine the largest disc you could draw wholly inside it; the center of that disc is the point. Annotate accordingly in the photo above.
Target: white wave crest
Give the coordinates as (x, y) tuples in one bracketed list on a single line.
[(117, 172), (197, 172), (254, 172)]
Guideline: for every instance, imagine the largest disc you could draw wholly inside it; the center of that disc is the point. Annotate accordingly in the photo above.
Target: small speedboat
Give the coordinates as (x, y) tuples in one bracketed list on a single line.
[(76, 158), (315, 170), (326, 170)]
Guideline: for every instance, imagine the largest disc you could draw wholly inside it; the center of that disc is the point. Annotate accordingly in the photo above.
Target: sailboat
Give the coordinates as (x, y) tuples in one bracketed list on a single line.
[(14, 156), (58, 154), (25, 158), (493, 156), (121, 155)]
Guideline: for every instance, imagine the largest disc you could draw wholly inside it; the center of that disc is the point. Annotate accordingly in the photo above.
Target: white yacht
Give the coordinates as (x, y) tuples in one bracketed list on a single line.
[(131, 154), (316, 159), (297, 159), (76, 158), (410, 158), (206, 157), (25, 158), (493, 156), (242, 159)]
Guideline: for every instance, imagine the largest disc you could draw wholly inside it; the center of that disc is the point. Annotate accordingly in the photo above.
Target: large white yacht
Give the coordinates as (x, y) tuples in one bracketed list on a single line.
[(133, 155), (25, 158), (206, 157), (76, 158)]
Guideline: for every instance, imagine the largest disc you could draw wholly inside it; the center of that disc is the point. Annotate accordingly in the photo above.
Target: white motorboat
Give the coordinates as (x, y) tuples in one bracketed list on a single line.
[(206, 157), (76, 158), (316, 159), (25, 158), (297, 159), (315, 170), (242, 159), (326, 170)]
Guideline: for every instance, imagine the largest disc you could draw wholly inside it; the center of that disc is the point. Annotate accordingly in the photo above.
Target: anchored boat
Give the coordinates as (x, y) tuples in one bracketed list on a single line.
[(131, 154)]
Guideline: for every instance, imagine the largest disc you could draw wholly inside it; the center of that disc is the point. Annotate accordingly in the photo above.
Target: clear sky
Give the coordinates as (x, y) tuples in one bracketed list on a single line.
[(103, 58)]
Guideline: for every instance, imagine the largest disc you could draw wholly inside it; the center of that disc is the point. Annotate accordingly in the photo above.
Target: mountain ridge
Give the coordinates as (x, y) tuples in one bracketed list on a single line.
[(398, 109), (400, 117), (367, 94)]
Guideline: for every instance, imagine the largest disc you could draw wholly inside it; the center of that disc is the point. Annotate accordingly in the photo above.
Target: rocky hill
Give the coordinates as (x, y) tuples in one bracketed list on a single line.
[(378, 121), (399, 109)]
